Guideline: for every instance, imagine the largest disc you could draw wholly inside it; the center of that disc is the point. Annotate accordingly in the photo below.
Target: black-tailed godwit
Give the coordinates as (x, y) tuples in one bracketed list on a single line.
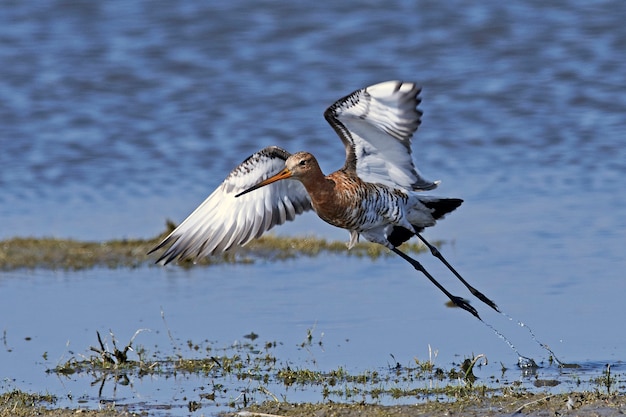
[(377, 194)]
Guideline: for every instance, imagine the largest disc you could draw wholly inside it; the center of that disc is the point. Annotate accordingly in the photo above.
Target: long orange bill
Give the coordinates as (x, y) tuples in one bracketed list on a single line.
[(284, 174)]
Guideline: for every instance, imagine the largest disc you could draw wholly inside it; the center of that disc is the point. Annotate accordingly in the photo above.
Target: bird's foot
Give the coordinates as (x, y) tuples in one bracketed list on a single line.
[(482, 297), (465, 305)]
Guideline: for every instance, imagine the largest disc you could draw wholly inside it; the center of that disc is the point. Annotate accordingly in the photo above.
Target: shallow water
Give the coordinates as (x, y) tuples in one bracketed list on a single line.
[(367, 317), (117, 115)]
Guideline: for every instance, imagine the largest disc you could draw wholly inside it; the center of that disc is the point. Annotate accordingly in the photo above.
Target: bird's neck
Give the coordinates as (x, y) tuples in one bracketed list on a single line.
[(318, 185), (326, 198)]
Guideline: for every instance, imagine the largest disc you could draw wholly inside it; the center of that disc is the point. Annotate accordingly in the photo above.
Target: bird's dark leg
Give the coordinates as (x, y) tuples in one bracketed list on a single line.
[(482, 297), (458, 301)]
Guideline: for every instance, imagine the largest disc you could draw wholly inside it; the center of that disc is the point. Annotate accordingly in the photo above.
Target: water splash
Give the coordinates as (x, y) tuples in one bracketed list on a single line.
[(534, 337), (523, 362)]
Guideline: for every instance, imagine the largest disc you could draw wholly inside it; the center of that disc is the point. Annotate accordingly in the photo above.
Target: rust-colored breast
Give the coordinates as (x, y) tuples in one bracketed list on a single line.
[(338, 200)]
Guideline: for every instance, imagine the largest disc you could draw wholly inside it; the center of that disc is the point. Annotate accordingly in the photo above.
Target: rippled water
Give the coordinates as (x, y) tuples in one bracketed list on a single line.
[(117, 115)]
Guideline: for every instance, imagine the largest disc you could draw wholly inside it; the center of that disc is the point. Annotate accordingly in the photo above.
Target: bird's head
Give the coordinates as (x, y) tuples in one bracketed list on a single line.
[(300, 164), (297, 166)]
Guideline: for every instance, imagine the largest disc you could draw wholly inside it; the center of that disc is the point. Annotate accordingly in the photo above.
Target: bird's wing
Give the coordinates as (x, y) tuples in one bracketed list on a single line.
[(376, 124), (223, 221)]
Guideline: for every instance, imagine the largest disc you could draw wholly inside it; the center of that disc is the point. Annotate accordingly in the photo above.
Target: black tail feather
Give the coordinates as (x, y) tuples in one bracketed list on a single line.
[(440, 207)]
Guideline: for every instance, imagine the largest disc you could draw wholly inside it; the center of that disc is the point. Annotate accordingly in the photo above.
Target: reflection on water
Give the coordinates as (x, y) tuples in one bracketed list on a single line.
[(118, 115)]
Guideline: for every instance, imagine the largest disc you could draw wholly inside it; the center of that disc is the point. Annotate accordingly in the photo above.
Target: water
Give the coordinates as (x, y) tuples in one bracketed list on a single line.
[(116, 116)]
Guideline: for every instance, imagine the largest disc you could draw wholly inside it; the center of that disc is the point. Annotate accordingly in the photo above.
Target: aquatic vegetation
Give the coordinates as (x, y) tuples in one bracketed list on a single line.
[(255, 373), (252, 372), (263, 377), (71, 254), (251, 375), (19, 403)]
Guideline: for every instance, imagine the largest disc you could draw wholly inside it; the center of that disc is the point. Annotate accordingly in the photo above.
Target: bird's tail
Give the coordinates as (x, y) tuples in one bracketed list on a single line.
[(439, 207)]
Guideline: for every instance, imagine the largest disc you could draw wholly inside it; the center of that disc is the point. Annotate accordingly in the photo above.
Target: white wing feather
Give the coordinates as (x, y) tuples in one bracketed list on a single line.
[(223, 221), (376, 124)]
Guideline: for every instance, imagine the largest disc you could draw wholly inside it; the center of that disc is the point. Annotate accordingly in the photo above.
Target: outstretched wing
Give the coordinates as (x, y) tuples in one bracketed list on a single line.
[(376, 124), (223, 221)]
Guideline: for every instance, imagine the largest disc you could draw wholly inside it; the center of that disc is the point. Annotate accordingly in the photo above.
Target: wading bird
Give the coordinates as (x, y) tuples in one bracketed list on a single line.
[(376, 194)]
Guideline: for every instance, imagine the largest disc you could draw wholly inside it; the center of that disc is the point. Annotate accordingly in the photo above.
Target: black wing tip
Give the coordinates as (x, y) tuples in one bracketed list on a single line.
[(164, 259), (167, 256)]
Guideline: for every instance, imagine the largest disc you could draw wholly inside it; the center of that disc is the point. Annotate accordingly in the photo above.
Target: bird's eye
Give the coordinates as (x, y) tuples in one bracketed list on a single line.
[(302, 162)]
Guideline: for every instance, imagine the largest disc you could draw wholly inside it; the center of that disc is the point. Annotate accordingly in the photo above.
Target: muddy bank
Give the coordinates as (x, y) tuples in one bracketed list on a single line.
[(572, 404), (52, 253)]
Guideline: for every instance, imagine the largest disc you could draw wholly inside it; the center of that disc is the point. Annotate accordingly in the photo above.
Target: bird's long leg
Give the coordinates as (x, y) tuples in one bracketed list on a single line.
[(482, 297), (458, 301)]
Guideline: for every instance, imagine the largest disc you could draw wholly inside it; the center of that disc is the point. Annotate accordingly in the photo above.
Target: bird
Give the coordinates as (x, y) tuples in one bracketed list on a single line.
[(378, 194)]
